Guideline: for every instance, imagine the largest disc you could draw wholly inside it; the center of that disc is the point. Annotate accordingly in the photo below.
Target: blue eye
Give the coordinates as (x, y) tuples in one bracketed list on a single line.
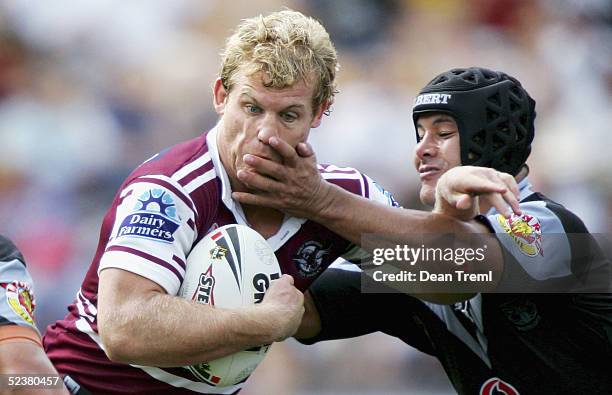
[(253, 109)]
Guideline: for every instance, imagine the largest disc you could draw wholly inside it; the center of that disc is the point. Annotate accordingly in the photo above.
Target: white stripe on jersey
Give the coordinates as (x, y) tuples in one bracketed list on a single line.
[(83, 326), (201, 180), (332, 168), (88, 305), (341, 176), (158, 273), (181, 382), (125, 192), (347, 173), (83, 305), (341, 264), (363, 187), (191, 167)]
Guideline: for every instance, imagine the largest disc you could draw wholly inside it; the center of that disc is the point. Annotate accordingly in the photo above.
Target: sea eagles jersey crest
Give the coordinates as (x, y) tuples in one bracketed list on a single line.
[(309, 258)]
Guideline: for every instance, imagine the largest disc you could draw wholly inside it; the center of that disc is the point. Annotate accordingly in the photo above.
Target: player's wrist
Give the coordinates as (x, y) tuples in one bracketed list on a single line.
[(260, 324), (323, 202)]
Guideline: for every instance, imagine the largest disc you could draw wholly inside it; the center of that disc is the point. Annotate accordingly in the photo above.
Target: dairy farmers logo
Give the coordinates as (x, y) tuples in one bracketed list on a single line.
[(153, 217), (526, 232)]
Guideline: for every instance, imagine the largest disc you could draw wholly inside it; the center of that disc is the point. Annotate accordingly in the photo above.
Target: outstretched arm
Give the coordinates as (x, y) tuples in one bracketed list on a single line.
[(297, 188)]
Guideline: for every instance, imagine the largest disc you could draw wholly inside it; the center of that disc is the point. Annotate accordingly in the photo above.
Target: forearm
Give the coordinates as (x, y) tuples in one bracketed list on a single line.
[(393, 228), (352, 216), (164, 330), (311, 321)]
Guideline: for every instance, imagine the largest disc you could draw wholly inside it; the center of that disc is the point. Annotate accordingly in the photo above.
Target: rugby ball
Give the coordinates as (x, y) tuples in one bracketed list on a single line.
[(232, 266)]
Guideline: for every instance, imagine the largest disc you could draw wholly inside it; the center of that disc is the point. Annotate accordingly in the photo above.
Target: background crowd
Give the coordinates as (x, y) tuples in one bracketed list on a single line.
[(89, 90)]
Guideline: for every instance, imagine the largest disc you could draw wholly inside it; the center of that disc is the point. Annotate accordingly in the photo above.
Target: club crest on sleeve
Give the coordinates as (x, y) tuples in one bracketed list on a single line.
[(309, 258), (153, 216), (525, 231), (20, 298)]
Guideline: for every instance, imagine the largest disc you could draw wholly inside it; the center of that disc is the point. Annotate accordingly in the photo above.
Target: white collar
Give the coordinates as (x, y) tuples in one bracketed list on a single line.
[(226, 188), (290, 225)]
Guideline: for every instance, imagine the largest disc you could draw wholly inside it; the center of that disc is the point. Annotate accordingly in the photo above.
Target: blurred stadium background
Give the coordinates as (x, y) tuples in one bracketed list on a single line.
[(88, 90)]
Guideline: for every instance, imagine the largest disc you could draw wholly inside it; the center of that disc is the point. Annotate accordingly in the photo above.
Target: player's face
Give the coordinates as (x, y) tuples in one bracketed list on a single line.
[(251, 114), (436, 153)]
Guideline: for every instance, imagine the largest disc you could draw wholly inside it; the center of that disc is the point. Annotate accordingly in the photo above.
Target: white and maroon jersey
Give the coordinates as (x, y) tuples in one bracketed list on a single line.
[(161, 211), (16, 291)]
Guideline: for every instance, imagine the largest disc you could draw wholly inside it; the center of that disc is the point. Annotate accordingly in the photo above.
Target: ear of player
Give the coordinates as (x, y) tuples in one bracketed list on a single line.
[(230, 267)]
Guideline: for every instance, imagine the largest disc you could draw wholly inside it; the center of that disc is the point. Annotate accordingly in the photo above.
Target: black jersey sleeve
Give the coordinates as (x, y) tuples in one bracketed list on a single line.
[(348, 312)]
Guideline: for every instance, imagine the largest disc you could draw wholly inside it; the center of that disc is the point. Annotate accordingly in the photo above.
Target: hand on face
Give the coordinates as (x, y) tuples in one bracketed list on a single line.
[(462, 189), (294, 186), (253, 115)]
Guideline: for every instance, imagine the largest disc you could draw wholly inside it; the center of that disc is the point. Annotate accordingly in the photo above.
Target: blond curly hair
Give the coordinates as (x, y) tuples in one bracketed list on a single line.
[(287, 47)]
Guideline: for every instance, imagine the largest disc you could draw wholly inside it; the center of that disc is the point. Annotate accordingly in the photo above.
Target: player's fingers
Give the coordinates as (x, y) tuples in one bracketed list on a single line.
[(479, 186), (497, 200), (265, 166), (304, 150), (511, 196), (464, 202), (510, 183), (257, 181), (286, 151), (512, 200), (288, 278), (253, 199)]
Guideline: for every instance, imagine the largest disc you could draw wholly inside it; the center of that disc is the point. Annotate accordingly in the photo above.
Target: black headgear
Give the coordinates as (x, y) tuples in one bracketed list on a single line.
[(494, 113)]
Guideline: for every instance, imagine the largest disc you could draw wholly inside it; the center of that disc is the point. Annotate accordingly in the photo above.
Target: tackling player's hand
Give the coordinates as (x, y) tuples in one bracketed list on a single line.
[(460, 190), (294, 186), (285, 304)]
